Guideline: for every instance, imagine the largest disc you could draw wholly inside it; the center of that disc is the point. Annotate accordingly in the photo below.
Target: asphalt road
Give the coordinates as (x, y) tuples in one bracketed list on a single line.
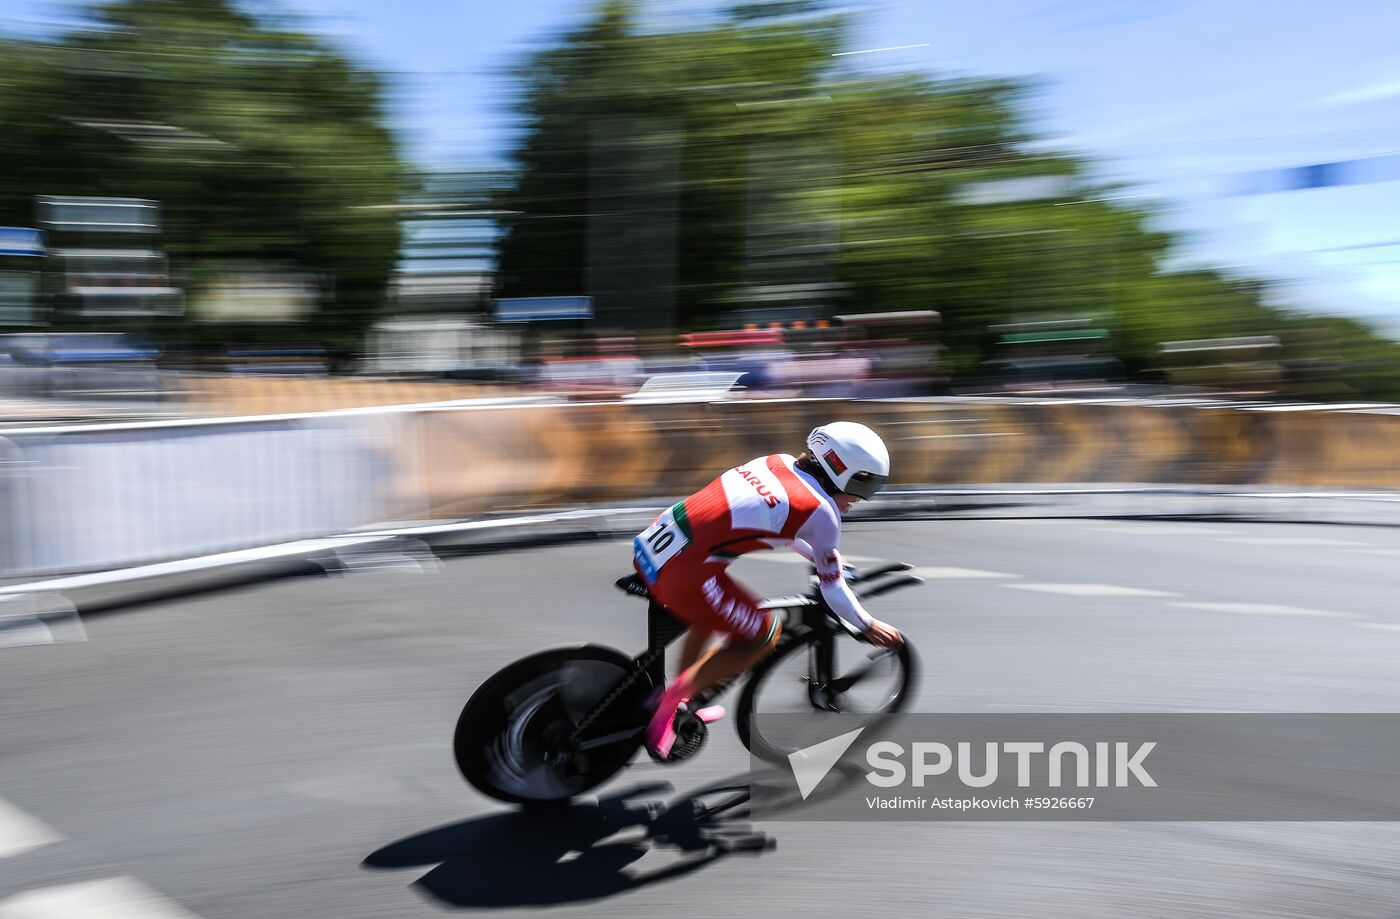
[(283, 750)]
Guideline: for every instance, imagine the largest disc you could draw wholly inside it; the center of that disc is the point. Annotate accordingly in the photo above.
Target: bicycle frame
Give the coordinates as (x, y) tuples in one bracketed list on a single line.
[(663, 629)]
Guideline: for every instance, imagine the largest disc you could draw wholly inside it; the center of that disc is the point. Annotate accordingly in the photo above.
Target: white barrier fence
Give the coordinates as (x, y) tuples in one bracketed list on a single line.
[(82, 498), (90, 497)]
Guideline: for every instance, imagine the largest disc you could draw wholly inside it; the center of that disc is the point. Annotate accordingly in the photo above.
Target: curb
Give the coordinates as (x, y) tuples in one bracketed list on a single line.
[(409, 545)]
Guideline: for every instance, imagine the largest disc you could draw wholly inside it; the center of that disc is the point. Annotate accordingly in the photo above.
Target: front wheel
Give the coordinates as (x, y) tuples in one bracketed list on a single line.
[(513, 739), (820, 673)]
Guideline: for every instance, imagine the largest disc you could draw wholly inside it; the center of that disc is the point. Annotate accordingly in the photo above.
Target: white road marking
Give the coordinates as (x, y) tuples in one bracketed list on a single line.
[(19, 633), (1261, 609), (1162, 529), (66, 628), (109, 898), (1093, 590), (940, 573), (20, 832), (1390, 552), (43, 618), (1025, 706), (1289, 541), (1379, 626)]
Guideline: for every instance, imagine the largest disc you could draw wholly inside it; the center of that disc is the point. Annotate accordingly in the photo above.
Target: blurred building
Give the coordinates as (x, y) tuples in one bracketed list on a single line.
[(22, 253), (447, 265), (439, 312), (440, 346), (77, 296), (104, 260)]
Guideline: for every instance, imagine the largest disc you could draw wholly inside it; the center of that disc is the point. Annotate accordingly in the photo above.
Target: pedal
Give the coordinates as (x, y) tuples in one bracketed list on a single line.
[(690, 737), (710, 713)]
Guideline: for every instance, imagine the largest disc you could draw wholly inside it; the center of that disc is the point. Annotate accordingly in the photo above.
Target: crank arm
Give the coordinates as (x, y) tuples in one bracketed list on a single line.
[(608, 739)]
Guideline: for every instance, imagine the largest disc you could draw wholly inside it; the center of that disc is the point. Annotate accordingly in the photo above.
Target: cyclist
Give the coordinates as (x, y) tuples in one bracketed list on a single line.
[(766, 503)]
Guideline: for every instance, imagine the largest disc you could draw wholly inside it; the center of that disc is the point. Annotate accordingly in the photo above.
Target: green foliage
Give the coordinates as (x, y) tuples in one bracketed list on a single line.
[(261, 144), (741, 156)]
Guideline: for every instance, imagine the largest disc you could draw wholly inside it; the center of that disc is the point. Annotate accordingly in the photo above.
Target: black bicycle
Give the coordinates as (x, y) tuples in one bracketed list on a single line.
[(559, 723)]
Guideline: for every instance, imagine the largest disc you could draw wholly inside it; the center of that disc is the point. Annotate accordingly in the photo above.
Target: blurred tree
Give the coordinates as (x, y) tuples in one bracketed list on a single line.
[(634, 172), (262, 145), (677, 174)]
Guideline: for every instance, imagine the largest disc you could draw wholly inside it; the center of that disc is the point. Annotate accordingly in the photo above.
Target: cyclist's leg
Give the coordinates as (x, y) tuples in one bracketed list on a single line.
[(693, 647), (715, 603), (729, 658), (696, 638)]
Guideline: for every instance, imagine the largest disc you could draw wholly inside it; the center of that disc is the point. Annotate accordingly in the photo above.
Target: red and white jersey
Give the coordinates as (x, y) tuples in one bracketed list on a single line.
[(762, 504), (755, 506)]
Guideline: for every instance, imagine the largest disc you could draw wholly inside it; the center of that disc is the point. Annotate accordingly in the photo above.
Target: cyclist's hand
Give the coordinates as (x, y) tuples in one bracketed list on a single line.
[(884, 635)]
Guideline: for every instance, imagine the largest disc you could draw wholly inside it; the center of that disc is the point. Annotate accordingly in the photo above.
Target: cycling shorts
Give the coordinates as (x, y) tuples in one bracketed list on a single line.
[(704, 595)]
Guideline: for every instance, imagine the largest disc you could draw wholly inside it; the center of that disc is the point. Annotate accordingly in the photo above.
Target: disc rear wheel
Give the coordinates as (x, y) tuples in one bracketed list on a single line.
[(514, 739)]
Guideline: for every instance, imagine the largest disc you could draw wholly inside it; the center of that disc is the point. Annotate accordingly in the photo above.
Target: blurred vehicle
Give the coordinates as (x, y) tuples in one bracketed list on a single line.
[(825, 374), (751, 353), (1246, 366), (688, 386), (79, 365), (440, 347), (1318, 379), (590, 378), (908, 357), (291, 359), (1057, 355)]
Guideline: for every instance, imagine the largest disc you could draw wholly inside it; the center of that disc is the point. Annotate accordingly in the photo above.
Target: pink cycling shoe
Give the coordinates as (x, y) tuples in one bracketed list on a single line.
[(661, 730)]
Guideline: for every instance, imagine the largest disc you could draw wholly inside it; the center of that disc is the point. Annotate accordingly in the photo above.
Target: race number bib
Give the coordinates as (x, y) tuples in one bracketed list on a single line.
[(660, 542)]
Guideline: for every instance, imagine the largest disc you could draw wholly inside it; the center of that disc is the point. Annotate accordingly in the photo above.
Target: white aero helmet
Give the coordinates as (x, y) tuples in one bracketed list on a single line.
[(853, 456)]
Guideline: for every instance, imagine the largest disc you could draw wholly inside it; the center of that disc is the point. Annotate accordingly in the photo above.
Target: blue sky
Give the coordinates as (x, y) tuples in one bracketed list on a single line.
[(1174, 97)]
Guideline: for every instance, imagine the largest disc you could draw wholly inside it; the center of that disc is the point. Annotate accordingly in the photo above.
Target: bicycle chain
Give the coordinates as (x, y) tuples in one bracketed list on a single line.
[(642, 664)]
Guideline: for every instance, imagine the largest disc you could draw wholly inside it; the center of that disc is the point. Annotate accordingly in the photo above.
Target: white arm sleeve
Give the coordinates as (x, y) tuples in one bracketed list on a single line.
[(821, 534), (797, 545)]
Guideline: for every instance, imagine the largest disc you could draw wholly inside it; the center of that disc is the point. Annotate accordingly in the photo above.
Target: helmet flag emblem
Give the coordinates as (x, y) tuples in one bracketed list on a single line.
[(836, 465)]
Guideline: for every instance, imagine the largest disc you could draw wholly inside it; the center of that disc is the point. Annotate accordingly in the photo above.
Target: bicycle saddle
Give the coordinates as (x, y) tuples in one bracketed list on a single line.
[(632, 584)]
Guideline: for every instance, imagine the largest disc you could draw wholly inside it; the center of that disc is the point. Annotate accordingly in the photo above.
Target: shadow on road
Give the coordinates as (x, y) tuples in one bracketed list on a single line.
[(581, 852)]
